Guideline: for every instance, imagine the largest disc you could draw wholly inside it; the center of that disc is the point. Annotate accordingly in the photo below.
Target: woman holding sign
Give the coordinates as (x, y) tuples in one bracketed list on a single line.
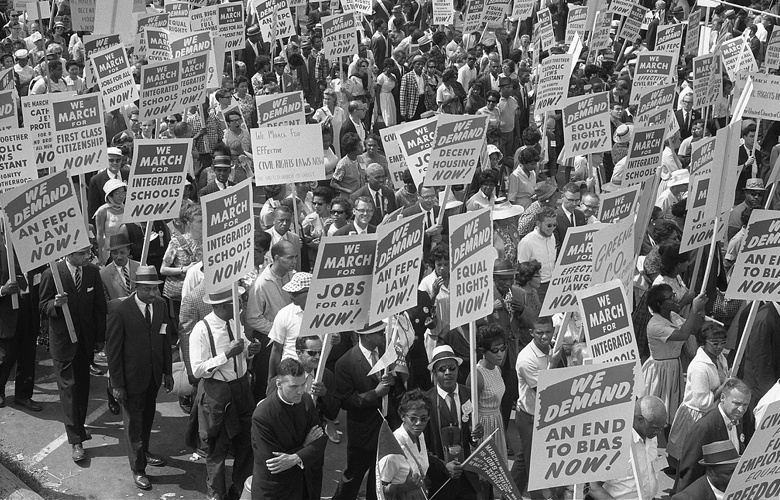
[(183, 252), (108, 218)]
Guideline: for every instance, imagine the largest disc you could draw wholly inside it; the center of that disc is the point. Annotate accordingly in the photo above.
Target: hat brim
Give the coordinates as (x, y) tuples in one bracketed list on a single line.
[(148, 282), (433, 363), (207, 300), (117, 247), (505, 272), (515, 211), (725, 462)]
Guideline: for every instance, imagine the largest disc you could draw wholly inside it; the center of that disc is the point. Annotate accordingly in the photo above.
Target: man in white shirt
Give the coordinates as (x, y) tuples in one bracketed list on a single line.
[(539, 245), (287, 324), (363, 212), (468, 72), (649, 420), (676, 190), (283, 218)]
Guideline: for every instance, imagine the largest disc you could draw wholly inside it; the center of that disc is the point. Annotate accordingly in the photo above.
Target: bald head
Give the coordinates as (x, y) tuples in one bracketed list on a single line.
[(375, 176), (649, 416)]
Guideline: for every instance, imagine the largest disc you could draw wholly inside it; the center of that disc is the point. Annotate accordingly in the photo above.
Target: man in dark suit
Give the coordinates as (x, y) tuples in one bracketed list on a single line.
[(361, 224), (720, 459), (307, 75), (361, 395), (686, 115), (282, 78), (568, 215), (375, 189), (139, 361), (8, 323), (96, 197), (434, 232), (254, 47), (490, 77), (83, 292), (448, 436), (722, 423), (287, 437), (222, 168), (379, 44), (354, 123)]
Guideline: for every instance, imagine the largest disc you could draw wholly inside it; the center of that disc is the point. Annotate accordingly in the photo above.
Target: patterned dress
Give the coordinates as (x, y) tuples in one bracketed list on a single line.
[(490, 406)]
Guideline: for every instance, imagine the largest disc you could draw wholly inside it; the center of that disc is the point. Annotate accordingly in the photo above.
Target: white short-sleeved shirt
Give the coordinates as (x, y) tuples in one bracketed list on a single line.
[(287, 324)]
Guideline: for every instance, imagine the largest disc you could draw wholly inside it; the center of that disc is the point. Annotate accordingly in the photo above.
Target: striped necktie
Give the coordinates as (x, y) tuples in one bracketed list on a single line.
[(78, 279), (126, 276)]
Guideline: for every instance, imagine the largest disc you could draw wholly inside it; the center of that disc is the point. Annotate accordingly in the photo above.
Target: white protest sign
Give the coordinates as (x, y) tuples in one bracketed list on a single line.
[(82, 15), (620, 7), (340, 294), (456, 147), (737, 56), (143, 21), (619, 205), (197, 43), (495, 11), (44, 220), (193, 79), (652, 102), (92, 45), (764, 96), (443, 11), (756, 273), (286, 154), (698, 227), (772, 56), (339, 35), (600, 37), (586, 125), (112, 69), (225, 20), (396, 162), (280, 109), (669, 38), (755, 476), (575, 23), (633, 23), (159, 86), (692, 34), (265, 17), (416, 142), (546, 32), (644, 154), (522, 9), (158, 45), (157, 179), (397, 265), (613, 254), (572, 272), (79, 134), (653, 69), (553, 82), (228, 235), (472, 256), (572, 406), (17, 159), (707, 80), (472, 21), (178, 16), (37, 119)]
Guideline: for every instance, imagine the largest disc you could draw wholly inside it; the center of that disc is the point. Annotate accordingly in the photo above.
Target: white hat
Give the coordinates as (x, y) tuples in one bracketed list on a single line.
[(506, 210), (441, 353), (679, 178), (114, 151), (112, 185)]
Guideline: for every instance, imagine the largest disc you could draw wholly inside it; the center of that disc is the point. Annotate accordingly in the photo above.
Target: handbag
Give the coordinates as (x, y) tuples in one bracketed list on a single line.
[(723, 307), (181, 383)]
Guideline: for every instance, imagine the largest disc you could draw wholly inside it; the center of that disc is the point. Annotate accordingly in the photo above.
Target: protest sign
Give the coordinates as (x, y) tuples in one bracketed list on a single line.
[(112, 69), (522, 9), (287, 154), (613, 254), (546, 33), (653, 69), (396, 267), (92, 45), (495, 11), (737, 56), (44, 220), (575, 23), (159, 87), (396, 162), (553, 82), (198, 43), (280, 109), (756, 475), (340, 293), (8, 116), (572, 272), (157, 179), (583, 423), (653, 101), (472, 21), (416, 141), (472, 256), (669, 38), (633, 23), (600, 39), (280, 9), (586, 124), (178, 16), (456, 147), (692, 35), (339, 35), (79, 135), (143, 21), (37, 119), (158, 47), (763, 97), (697, 231), (619, 205), (443, 11), (82, 15), (7, 79), (707, 80), (725, 169), (620, 7), (228, 235), (17, 159), (487, 461), (225, 20), (644, 154), (193, 76), (756, 273), (606, 322), (772, 56), (362, 6), (116, 18)]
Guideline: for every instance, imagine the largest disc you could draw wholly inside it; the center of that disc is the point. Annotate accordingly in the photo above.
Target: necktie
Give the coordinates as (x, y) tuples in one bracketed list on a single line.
[(78, 279), (374, 358), (230, 335), (378, 201), (451, 405), (571, 218), (126, 276), (428, 220), (148, 317)]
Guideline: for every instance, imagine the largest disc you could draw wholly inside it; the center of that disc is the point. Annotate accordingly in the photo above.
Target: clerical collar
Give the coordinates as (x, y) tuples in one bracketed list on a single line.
[(281, 398)]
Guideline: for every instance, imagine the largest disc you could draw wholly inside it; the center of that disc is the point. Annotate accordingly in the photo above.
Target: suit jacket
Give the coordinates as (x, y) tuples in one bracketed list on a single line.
[(272, 430), (698, 490), (137, 354), (87, 309), (564, 223), (350, 229), (708, 429), (417, 209), (685, 131), (348, 126), (390, 205), (379, 49), (96, 197), (409, 96), (8, 315), (248, 55), (114, 283), (212, 187), (287, 84), (307, 76), (356, 392)]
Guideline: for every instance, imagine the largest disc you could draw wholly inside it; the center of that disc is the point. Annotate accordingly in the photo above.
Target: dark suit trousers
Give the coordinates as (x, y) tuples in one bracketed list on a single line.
[(359, 461), (73, 384), (20, 350), (138, 418)]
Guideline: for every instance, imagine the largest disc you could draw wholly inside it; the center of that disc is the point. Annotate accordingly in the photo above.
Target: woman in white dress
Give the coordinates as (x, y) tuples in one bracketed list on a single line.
[(385, 83), (403, 478), (331, 114)]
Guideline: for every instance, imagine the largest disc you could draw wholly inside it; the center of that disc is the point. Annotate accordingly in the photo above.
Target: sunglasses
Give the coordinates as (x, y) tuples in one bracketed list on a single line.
[(337, 212), (447, 368), (312, 352), (496, 350), (494, 102)]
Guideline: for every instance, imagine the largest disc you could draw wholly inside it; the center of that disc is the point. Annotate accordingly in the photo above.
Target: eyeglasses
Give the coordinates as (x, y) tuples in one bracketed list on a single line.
[(171, 121), (364, 211), (573, 200), (429, 197), (447, 368), (496, 350), (337, 212), (418, 420), (318, 203), (312, 352), (717, 343)]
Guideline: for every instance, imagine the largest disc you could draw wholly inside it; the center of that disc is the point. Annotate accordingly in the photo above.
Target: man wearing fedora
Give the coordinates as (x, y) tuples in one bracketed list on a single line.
[(252, 50), (449, 435), (224, 402), (222, 167), (754, 197), (361, 396), (115, 170), (723, 422), (720, 460), (138, 350), (83, 292)]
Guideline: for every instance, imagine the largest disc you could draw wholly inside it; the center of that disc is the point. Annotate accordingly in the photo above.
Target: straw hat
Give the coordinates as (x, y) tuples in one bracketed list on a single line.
[(506, 210), (719, 453), (147, 275), (222, 297), (441, 353)]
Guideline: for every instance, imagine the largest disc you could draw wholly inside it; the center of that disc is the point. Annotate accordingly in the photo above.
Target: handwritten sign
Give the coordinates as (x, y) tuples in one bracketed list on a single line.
[(287, 154)]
